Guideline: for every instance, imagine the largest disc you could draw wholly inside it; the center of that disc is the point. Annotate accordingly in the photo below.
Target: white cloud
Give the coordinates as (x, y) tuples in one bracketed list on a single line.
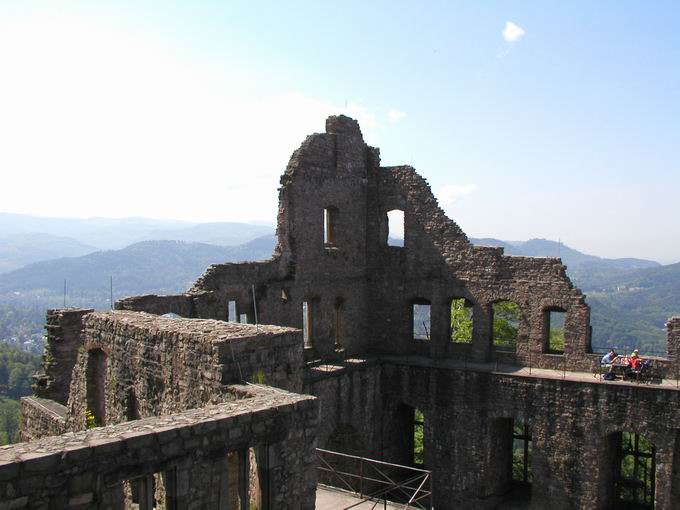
[(395, 115), (451, 193), (512, 32)]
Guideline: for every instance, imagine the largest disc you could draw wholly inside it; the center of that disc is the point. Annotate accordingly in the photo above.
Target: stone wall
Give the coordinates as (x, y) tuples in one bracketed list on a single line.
[(157, 365), (63, 340), (673, 332), (41, 417), (351, 402), (189, 450), (572, 423), (360, 289)]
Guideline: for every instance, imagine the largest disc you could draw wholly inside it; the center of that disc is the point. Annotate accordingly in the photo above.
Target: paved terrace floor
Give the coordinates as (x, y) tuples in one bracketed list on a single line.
[(328, 498), (495, 368)]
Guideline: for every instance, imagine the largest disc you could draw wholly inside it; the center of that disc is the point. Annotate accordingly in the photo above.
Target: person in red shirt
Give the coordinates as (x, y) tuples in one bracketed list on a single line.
[(635, 362)]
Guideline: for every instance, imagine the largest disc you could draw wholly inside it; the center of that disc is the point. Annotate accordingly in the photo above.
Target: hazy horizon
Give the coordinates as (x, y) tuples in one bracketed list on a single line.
[(272, 224)]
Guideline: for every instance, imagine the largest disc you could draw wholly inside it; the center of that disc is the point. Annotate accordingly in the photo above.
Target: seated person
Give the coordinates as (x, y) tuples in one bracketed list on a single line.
[(609, 359), (635, 361)]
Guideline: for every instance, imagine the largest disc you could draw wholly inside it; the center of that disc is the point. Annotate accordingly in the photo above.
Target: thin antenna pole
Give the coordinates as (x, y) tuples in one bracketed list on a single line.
[(111, 288), (64, 292), (255, 307)]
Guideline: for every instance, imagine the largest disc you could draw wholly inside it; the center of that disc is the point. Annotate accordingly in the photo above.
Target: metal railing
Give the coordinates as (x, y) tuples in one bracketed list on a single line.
[(376, 481)]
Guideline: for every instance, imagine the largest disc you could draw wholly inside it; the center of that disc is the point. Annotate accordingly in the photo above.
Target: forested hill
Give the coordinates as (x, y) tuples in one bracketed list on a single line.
[(150, 266), (583, 269), (635, 304), (17, 250), (631, 299)]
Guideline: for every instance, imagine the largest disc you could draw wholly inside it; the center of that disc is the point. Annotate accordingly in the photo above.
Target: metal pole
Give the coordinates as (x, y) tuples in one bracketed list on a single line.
[(564, 367), (257, 324), (361, 477)]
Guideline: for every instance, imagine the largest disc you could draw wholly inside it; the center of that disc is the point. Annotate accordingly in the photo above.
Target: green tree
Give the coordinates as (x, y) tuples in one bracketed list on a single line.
[(506, 315), (461, 321)]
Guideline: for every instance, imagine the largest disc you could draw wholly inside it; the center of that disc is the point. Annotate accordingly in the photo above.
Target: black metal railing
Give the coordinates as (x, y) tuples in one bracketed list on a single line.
[(375, 480)]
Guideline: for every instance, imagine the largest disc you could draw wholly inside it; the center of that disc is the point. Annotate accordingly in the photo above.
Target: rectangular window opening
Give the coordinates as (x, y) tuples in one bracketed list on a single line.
[(339, 310), (554, 327), (395, 228), (521, 454), (461, 321), (243, 318), (152, 492), (329, 220), (232, 311), (635, 481), (421, 321), (307, 322), (506, 316)]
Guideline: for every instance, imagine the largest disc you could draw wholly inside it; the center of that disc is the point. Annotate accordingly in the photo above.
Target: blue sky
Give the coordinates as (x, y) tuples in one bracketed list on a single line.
[(566, 127)]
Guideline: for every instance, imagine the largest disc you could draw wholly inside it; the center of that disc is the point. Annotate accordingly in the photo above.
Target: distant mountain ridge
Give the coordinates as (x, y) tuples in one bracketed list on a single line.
[(148, 266), (630, 298), (584, 269), (17, 250)]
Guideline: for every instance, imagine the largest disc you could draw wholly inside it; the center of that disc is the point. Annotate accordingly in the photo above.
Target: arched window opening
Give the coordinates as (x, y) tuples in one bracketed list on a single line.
[(554, 330), (395, 228), (461, 321), (421, 319), (96, 388), (330, 217), (506, 316), (635, 481)]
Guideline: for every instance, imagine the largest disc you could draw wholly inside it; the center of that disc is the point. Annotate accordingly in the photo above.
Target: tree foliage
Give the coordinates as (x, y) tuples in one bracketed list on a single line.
[(461, 321), (506, 315)]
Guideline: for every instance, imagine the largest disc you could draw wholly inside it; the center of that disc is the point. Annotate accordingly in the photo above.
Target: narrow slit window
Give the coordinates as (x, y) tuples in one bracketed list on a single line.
[(95, 414), (418, 437), (461, 321), (421, 321), (395, 228), (307, 330), (506, 316), (329, 221), (232, 311), (339, 312), (554, 331), (243, 318)]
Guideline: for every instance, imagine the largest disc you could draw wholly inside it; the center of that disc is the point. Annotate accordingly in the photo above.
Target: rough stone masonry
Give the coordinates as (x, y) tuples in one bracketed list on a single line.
[(348, 305)]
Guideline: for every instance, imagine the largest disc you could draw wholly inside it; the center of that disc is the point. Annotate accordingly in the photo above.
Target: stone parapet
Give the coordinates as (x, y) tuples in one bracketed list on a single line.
[(87, 469), (41, 417)]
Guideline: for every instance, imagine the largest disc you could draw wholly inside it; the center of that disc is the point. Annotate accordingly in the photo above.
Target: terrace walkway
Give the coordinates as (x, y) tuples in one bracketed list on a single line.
[(322, 370)]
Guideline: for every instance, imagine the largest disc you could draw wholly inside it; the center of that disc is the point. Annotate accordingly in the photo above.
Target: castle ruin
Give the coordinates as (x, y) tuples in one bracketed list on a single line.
[(344, 340)]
